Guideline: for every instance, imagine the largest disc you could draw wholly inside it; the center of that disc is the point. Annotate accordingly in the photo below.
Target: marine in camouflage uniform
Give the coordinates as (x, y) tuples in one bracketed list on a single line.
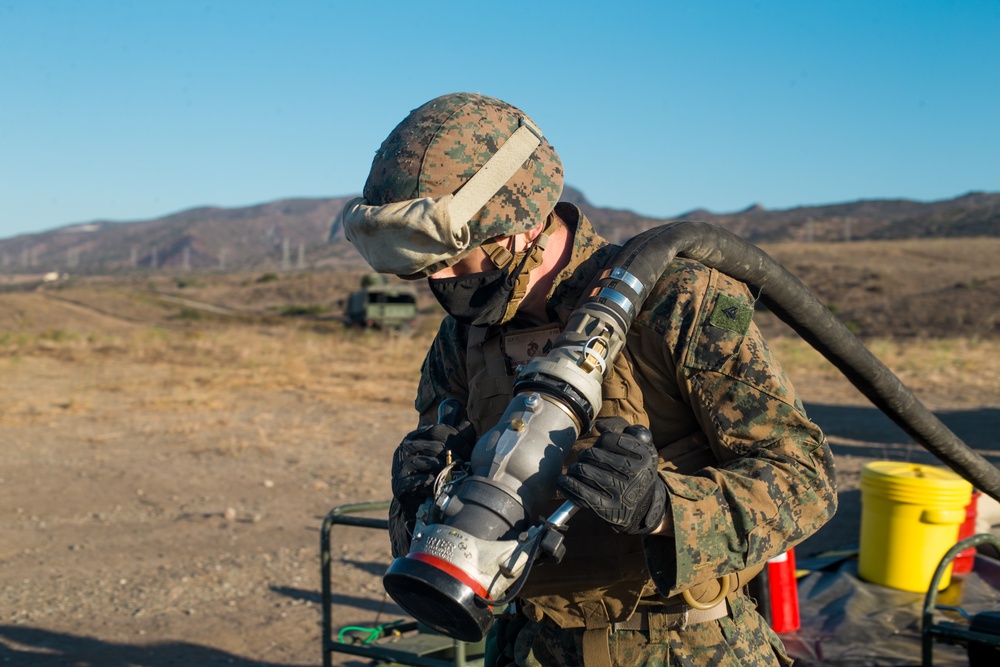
[(747, 475)]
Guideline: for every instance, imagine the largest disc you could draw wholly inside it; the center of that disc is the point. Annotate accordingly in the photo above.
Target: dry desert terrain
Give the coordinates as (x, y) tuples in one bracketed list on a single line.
[(169, 446)]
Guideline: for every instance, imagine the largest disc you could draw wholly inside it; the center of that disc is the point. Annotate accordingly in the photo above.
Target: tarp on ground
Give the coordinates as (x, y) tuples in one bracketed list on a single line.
[(847, 621)]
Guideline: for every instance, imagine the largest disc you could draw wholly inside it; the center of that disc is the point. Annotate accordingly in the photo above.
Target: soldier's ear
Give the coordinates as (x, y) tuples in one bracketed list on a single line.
[(532, 234), (523, 240)]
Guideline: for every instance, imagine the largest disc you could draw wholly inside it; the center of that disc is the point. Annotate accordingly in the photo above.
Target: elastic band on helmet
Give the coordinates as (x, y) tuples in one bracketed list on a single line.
[(497, 171), (407, 237)]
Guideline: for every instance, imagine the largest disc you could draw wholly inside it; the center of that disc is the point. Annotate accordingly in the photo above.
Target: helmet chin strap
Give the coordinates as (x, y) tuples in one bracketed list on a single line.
[(526, 261)]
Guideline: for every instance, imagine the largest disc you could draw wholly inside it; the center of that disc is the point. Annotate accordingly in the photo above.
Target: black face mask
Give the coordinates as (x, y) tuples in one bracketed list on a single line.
[(476, 299)]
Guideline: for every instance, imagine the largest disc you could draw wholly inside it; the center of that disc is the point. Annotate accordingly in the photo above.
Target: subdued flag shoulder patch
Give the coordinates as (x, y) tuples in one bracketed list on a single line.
[(731, 313)]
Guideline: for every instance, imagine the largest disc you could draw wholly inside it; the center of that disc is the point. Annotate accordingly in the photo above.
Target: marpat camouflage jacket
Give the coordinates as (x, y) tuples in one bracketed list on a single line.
[(748, 475)]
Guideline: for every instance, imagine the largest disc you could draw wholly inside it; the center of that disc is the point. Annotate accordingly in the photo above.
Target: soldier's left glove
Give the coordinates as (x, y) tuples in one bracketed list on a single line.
[(421, 456), (617, 478)]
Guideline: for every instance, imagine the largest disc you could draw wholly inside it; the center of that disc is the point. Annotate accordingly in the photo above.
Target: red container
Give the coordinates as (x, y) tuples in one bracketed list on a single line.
[(784, 592), (965, 559)]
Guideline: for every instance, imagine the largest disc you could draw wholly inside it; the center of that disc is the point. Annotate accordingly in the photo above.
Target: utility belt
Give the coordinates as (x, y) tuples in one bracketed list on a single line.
[(666, 616), (657, 617)]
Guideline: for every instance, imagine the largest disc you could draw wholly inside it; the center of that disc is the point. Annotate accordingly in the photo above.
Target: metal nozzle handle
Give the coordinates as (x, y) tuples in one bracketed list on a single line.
[(562, 515)]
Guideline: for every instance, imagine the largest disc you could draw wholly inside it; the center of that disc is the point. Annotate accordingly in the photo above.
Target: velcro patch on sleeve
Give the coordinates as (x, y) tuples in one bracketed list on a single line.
[(731, 313)]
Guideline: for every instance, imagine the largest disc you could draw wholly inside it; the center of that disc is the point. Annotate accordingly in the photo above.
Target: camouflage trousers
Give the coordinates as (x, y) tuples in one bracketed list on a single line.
[(741, 639)]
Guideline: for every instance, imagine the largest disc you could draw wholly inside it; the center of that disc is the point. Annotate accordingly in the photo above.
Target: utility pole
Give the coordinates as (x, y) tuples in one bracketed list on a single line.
[(222, 259), (302, 257), (285, 255), (187, 258)]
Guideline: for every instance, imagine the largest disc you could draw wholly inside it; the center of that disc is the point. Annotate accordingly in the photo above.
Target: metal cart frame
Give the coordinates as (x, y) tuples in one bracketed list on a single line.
[(422, 648), (952, 633)]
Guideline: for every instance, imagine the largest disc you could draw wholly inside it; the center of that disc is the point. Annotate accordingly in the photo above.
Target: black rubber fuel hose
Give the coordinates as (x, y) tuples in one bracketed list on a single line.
[(647, 256)]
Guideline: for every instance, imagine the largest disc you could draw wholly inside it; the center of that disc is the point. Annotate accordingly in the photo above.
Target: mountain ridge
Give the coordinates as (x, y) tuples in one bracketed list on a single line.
[(292, 233)]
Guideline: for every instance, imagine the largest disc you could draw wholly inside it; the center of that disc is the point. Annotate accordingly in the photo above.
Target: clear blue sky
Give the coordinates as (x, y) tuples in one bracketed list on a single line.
[(131, 110)]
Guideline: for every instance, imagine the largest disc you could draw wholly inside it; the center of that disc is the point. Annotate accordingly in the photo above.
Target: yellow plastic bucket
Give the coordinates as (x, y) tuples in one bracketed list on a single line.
[(910, 516)]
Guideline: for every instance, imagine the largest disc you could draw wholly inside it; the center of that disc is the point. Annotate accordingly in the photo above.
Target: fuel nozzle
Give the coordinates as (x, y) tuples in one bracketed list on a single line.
[(478, 539), (482, 533)]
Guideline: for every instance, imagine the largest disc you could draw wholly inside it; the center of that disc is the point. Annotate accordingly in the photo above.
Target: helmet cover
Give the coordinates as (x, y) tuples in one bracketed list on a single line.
[(439, 146)]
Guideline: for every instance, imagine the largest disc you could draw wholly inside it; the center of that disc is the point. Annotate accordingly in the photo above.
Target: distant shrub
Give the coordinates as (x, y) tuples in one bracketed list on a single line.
[(57, 335), (6, 338), (189, 314), (267, 278), (296, 310)]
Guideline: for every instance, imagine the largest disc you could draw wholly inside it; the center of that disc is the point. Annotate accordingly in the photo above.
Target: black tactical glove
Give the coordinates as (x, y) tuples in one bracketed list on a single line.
[(421, 456), (617, 478)]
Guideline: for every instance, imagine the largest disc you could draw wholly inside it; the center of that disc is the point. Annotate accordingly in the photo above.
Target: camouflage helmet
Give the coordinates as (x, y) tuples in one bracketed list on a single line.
[(432, 154)]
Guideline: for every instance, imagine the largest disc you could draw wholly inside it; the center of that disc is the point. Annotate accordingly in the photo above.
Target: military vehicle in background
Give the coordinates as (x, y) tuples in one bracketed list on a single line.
[(380, 304)]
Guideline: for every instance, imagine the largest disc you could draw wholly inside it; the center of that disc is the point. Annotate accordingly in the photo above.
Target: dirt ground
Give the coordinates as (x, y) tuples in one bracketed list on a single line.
[(164, 472)]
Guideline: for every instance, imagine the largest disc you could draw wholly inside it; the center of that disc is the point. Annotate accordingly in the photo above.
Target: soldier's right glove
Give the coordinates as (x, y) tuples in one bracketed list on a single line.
[(421, 456), (617, 478)]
